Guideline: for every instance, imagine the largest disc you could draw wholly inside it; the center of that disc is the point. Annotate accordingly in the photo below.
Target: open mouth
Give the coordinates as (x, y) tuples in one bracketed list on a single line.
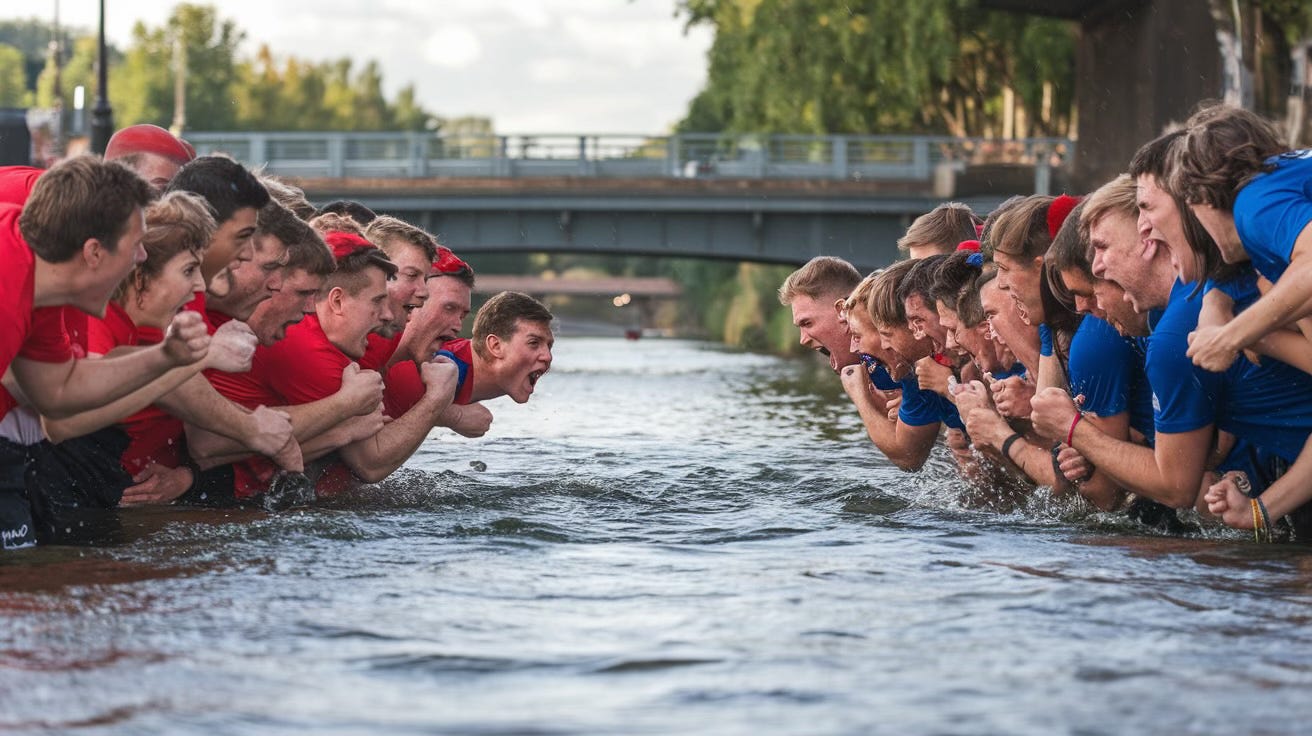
[(534, 376), (411, 307)]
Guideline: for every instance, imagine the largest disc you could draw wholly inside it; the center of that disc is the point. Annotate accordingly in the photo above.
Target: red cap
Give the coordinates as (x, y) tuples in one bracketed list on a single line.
[(970, 245), (448, 263), (343, 244), (1058, 211), (147, 138)]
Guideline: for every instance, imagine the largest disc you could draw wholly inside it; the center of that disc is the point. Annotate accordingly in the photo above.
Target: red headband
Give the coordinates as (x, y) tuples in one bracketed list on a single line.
[(1057, 212), (448, 263), (147, 138), (970, 245), (343, 244)]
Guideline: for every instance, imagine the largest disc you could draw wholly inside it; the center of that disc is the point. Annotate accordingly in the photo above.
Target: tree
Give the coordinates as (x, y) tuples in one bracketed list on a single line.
[(13, 78)]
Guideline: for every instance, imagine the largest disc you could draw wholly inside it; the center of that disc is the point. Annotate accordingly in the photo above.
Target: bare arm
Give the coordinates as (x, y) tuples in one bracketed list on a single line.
[(60, 390), (1169, 474), (905, 446), (374, 458)]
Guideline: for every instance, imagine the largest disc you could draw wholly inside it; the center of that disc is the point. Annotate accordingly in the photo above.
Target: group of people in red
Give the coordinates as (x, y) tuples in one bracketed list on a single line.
[(1146, 346), (179, 329)]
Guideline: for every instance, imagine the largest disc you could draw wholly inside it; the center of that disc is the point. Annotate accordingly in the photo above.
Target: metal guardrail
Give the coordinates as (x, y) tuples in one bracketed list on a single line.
[(838, 157)]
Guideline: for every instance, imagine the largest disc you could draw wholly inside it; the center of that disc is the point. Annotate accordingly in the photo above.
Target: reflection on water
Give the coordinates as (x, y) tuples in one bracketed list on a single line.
[(669, 538)]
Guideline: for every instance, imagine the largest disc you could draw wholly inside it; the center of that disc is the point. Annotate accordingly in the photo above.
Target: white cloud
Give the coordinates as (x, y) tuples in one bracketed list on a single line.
[(453, 46)]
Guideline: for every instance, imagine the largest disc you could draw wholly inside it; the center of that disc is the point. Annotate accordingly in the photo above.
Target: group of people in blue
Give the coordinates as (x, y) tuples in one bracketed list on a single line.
[(1146, 346)]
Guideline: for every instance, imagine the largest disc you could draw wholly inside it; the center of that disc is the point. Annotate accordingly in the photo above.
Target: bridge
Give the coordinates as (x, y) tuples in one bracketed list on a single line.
[(774, 199)]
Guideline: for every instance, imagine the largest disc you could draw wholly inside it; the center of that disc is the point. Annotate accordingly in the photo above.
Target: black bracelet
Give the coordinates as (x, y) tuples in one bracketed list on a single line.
[(1007, 443)]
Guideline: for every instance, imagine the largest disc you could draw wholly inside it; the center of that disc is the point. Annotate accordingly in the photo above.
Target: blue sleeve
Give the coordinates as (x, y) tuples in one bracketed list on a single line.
[(1184, 397), (878, 373), (918, 406), (1273, 209), (1045, 341), (1241, 289), (1101, 367), (462, 368)]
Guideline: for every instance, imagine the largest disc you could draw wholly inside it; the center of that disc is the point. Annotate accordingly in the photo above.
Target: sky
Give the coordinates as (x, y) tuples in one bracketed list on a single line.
[(533, 66)]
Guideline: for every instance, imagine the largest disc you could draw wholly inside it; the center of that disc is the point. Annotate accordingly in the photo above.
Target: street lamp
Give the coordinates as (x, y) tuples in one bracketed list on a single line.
[(102, 116)]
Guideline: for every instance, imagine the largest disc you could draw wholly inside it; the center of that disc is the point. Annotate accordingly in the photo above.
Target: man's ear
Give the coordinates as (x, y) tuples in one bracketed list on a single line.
[(838, 306), (93, 252), (496, 349), (334, 299)]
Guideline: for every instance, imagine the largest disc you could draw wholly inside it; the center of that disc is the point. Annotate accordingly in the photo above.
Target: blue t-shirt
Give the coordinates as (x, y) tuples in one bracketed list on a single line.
[(921, 406), (1108, 369), (1017, 369), (1241, 289), (1272, 209), (1270, 405), (878, 373)]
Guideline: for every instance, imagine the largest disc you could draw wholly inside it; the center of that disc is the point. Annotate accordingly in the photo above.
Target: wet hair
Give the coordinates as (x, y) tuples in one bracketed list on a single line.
[(225, 184), (349, 208), (178, 222), (942, 227), (291, 197), (334, 223), (502, 314), (970, 310), (822, 278), (885, 307), (919, 281), (952, 277), (305, 247), (1161, 159), (1223, 148), (390, 233), (80, 199)]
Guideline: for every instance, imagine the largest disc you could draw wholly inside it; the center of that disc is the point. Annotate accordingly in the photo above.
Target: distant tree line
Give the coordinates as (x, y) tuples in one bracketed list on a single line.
[(223, 89)]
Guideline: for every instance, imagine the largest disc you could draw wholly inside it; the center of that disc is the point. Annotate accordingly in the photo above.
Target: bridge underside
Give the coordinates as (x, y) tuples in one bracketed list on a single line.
[(784, 227)]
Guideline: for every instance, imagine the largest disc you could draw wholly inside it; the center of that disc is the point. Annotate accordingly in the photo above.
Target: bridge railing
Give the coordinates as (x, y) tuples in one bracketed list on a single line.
[(935, 160)]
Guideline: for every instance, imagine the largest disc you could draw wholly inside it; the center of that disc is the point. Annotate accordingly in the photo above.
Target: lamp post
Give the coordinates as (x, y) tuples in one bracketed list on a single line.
[(102, 116)]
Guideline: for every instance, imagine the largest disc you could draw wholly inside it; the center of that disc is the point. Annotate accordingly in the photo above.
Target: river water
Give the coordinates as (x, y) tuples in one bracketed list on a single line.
[(669, 538)]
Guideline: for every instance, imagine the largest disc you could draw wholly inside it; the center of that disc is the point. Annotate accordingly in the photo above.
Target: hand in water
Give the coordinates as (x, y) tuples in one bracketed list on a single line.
[(157, 484)]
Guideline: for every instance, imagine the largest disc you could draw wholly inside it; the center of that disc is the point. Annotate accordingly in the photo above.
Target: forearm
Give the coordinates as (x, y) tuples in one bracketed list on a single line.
[(374, 458), (60, 390), (892, 437), (317, 417), (198, 403), (1286, 303), (1287, 346), (1035, 462), (1138, 468), (99, 417)]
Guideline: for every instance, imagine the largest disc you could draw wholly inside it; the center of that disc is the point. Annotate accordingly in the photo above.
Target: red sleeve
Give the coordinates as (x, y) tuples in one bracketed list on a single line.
[(103, 335), (248, 389), (379, 351), (403, 389), (304, 367), (46, 341), (16, 183)]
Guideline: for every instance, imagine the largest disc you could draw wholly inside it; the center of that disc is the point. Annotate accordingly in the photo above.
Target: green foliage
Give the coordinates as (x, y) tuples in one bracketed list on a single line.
[(223, 91), (879, 66), (13, 78)]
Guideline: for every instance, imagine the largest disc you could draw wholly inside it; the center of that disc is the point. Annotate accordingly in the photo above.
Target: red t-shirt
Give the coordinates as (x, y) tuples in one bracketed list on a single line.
[(33, 334), (16, 183), (379, 351), (99, 336), (250, 389), (304, 367), (404, 385), (197, 305), (156, 434)]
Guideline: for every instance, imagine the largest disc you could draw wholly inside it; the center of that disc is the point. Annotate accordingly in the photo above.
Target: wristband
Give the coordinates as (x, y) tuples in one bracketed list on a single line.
[(1007, 443), (1070, 436), (1045, 341)]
